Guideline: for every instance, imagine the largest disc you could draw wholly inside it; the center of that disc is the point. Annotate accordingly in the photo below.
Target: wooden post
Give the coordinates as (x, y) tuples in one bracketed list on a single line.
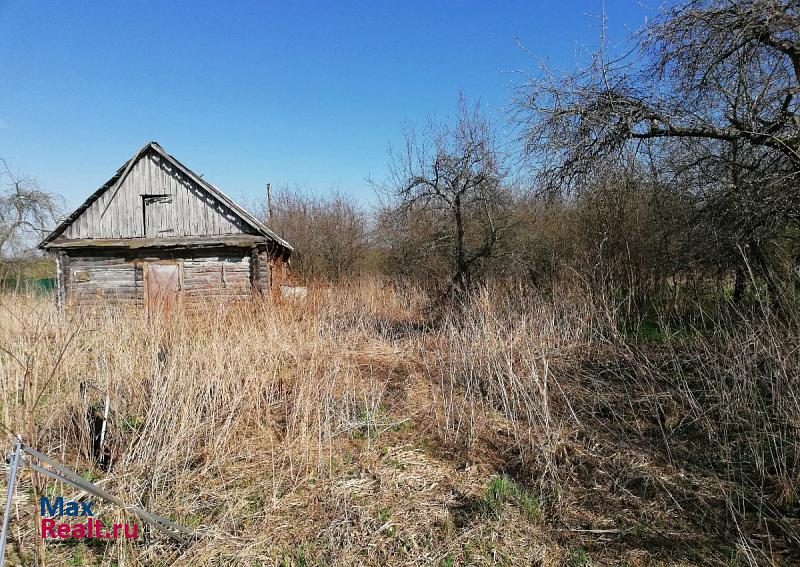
[(60, 280), (269, 202)]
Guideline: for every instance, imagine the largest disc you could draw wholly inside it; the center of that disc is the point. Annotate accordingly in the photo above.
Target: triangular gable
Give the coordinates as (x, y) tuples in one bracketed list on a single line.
[(196, 207)]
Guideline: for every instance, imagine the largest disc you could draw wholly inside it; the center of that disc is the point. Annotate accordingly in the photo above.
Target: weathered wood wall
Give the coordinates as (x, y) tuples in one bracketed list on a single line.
[(217, 277), (95, 278), (261, 270), (92, 276), (188, 211), (268, 270)]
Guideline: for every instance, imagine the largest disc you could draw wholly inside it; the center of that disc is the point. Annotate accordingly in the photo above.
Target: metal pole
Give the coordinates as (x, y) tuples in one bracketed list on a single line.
[(12, 481), (63, 474)]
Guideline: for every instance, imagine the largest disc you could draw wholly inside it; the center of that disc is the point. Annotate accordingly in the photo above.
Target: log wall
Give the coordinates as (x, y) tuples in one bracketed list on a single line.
[(99, 276), (225, 276), (92, 279), (268, 270)]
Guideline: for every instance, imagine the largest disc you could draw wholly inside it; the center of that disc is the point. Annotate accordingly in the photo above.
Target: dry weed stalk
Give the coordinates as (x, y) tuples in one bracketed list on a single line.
[(349, 429)]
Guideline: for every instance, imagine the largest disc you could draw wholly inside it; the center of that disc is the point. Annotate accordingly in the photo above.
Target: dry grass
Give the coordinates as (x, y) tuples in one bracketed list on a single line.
[(352, 428)]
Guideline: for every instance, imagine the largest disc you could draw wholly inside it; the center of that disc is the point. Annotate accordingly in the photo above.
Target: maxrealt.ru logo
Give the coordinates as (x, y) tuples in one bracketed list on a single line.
[(86, 527)]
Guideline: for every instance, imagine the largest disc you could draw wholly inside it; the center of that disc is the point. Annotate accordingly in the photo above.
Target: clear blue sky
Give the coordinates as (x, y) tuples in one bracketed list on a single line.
[(248, 92)]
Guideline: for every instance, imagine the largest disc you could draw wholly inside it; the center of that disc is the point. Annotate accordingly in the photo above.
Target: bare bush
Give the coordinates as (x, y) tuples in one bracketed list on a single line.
[(329, 233)]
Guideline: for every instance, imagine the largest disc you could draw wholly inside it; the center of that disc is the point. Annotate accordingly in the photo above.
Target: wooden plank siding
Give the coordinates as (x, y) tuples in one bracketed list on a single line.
[(192, 211), (206, 276)]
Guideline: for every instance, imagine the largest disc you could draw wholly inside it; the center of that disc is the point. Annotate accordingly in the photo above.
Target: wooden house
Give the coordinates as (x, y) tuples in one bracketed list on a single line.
[(157, 232)]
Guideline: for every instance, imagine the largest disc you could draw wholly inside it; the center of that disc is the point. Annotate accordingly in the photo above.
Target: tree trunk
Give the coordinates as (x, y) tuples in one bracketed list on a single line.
[(462, 269)]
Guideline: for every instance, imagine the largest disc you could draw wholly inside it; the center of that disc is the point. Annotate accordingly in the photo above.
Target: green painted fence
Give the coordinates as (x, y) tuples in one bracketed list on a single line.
[(39, 286)]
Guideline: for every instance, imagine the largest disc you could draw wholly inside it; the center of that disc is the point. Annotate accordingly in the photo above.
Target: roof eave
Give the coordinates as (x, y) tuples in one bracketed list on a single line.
[(234, 241)]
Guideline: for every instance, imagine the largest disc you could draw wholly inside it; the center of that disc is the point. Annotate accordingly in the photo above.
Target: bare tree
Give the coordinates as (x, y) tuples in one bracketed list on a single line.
[(26, 210), (707, 96), (714, 70), (453, 178)]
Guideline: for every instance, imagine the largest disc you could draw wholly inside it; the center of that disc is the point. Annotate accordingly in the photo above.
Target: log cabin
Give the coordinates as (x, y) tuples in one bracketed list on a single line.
[(158, 233)]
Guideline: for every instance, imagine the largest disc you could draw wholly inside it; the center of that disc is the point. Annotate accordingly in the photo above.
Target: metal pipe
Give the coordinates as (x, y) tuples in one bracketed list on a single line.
[(12, 481)]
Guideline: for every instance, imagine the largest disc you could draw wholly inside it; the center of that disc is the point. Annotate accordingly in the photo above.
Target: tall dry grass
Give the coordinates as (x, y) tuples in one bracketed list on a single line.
[(684, 432), (355, 428)]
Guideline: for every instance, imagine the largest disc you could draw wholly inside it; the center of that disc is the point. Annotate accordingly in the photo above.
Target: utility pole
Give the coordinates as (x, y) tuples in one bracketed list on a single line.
[(269, 203)]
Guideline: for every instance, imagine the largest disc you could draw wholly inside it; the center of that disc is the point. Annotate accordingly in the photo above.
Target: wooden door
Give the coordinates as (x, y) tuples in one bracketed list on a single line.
[(159, 218), (162, 285)]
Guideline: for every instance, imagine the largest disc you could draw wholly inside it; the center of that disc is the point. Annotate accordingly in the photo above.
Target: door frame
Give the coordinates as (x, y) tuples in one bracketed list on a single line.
[(145, 264)]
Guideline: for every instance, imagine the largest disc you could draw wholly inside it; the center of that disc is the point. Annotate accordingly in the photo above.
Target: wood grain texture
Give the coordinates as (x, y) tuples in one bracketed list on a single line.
[(193, 242), (114, 276), (188, 210)]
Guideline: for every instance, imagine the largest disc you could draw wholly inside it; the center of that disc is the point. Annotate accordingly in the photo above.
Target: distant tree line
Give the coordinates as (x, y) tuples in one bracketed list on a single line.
[(670, 169)]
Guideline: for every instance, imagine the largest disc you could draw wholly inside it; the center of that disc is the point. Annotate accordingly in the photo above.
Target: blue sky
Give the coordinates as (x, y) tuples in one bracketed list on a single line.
[(302, 93)]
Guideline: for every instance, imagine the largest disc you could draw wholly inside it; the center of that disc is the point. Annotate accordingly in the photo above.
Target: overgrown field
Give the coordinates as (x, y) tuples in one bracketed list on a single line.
[(358, 427)]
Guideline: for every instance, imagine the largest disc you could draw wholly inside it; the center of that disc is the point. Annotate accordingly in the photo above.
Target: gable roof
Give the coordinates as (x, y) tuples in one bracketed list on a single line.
[(116, 181)]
